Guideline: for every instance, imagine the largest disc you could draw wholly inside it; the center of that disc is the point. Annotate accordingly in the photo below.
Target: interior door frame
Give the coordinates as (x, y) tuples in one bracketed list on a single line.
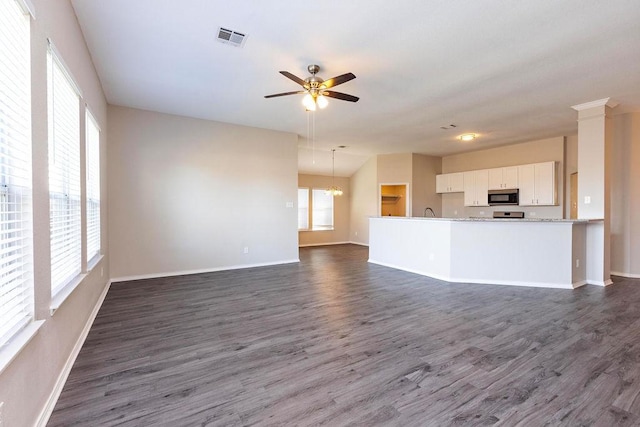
[(407, 196)]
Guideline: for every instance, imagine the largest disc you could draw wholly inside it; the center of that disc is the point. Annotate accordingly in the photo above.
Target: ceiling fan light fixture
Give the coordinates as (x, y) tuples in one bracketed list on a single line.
[(322, 101), (308, 102)]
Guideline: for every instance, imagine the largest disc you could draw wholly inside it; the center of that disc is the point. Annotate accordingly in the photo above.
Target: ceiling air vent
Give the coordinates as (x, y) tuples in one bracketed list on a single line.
[(231, 37)]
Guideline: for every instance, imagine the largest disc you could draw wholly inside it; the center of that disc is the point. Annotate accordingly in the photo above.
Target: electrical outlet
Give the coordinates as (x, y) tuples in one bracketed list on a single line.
[(246, 249), (356, 233), (577, 262), (101, 271), (1, 417), (289, 204), (587, 200)]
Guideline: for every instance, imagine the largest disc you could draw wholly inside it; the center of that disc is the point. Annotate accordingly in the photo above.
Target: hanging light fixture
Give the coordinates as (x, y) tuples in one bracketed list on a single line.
[(333, 190)]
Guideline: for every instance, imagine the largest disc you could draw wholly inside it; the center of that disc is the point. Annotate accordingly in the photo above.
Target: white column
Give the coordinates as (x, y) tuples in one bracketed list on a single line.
[(594, 168)]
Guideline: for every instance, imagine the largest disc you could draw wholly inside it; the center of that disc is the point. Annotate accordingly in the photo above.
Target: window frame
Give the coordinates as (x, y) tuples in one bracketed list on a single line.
[(92, 184), (310, 210), (17, 310), (65, 178)]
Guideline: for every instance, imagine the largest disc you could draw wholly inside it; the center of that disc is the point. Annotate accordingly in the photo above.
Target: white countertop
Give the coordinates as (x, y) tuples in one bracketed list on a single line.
[(489, 219)]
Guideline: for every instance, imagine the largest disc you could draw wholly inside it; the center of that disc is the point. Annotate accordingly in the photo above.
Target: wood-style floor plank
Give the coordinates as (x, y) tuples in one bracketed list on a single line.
[(336, 341)]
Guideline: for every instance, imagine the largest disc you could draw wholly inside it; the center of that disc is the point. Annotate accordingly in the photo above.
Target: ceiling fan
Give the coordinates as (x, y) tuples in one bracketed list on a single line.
[(316, 89)]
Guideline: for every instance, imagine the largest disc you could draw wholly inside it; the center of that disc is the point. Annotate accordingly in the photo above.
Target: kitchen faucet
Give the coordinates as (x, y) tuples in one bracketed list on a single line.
[(433, 214)]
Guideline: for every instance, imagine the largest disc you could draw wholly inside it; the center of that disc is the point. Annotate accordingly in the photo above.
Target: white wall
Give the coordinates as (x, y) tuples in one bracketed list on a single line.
[(341, 215), (28, 382), (510, 155), (364, 200), (188, 195)]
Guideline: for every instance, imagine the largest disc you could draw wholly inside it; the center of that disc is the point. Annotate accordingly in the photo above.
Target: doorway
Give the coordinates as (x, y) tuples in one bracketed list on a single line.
[(393, 200), (574, 195)]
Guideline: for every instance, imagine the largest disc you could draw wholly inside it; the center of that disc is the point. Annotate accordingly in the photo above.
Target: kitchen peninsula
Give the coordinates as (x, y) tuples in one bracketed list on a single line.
[(552, 253)]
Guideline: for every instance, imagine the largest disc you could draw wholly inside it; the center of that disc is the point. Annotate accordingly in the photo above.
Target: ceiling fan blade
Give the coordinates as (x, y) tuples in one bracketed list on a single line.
[(285, 94), (338, 80), (340, 95), (292, 77)]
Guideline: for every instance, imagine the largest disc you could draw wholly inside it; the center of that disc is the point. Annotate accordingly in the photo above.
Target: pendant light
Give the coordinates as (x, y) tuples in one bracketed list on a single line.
[(333, 190)]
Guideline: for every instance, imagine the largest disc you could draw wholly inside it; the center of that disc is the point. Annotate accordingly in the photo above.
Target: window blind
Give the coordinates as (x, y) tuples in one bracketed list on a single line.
[(92, 143), (16, 265), (322, 210), (64, 175)]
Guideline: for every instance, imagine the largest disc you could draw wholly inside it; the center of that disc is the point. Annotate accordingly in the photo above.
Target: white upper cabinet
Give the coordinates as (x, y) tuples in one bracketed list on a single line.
[(449, 183), (503, 178), (476, 186), (537, 183)]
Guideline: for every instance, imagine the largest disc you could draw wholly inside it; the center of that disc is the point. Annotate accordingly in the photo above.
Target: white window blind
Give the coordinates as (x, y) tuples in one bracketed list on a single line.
[(16, 265), (303, 208), (322, 210), (64, 175), (92, 143)]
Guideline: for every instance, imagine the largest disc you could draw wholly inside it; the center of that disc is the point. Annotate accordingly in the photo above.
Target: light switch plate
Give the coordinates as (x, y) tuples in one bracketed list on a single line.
[(587, 200)]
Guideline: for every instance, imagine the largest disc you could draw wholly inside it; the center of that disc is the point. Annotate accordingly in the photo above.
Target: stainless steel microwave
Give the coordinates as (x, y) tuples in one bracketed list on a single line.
[(503, 197)]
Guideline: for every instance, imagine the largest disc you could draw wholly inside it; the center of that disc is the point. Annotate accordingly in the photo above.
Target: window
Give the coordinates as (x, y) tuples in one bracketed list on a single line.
[(64, 175), (303, 208), (16, 235), (321, 211), (92, 143), (322, 214)]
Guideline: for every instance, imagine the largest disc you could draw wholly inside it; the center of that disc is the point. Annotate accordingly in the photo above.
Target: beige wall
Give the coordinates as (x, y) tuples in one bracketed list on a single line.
[(511, 155), (28, 382), (364, 200), (395, 169), (423, 183), (625, 195), (571, 166), (341, 215), (188, 195)]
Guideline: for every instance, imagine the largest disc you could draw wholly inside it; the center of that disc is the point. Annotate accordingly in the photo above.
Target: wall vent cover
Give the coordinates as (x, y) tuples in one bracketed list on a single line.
[(231, 37)]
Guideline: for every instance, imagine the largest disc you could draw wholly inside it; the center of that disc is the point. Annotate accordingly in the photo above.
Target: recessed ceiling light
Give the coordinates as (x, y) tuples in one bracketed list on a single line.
[(467, 137)]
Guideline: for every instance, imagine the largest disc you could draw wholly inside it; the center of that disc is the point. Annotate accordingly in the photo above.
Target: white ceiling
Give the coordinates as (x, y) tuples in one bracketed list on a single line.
[(507, 70)]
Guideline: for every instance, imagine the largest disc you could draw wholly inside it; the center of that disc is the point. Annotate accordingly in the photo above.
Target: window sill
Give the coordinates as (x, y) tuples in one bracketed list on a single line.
[(63, 294), (94, 261), (60, 297), (11, 350), (317, 229)]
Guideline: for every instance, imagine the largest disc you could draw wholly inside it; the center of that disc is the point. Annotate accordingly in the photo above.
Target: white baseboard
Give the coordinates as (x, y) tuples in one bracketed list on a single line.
[(483, 282), (627, 275), (199, 271), (600, 282), (323, 244), (334, 243), (46, 412)]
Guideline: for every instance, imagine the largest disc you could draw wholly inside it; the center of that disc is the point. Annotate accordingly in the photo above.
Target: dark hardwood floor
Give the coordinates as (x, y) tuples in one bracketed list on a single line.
[(335, 341)]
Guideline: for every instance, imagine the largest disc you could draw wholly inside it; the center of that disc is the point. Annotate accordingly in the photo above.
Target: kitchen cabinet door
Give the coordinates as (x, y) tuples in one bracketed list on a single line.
[(545, 183), (537, 183), (502, 178), (450, 183), (476, 186), (510, 177)]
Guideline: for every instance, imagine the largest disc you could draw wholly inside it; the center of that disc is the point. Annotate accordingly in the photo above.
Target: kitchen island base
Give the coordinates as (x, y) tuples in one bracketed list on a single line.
[(540, 253)]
